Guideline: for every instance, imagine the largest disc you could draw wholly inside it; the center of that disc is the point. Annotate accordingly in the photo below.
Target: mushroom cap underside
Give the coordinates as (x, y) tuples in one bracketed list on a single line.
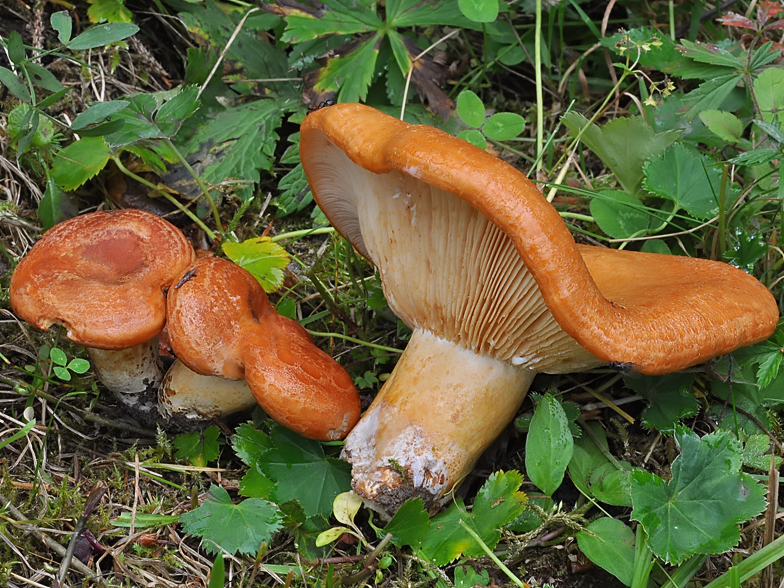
[(652, 313), (102, 276)]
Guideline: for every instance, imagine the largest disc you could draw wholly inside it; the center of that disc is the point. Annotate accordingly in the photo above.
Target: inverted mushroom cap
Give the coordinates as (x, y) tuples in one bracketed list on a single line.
[(469, 250), (221, 324), (102, 276)]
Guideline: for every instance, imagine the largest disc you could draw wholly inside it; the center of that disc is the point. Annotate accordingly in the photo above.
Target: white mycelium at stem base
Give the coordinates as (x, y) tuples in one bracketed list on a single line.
[(440, 409)]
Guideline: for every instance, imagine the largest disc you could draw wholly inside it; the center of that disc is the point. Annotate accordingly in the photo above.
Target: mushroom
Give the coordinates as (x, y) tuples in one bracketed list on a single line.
[(221, 324), (488, 277), (102, 276)]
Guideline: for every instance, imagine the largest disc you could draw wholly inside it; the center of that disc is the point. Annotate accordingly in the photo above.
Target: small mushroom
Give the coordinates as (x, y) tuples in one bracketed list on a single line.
[(102, 276), (488, 277), (221, 324)]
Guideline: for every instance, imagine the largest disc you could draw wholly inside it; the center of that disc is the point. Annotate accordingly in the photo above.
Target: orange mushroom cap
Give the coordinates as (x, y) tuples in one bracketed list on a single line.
[(102, 276), (221, 324), (656, 313)]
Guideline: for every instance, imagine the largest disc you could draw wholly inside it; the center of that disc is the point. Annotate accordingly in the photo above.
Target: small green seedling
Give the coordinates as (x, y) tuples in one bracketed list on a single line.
[(62, 367), (345, 507), (501, 126)]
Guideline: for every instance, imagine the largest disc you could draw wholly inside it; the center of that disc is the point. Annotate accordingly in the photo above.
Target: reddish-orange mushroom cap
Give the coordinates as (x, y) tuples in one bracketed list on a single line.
[(221, 324), (102, 276)]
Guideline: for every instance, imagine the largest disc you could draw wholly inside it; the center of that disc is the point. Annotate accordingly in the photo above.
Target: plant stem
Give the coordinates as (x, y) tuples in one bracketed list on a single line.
[(354, 340), (489, 551), (303, 233), (202, 186), (539, 93), (166, 195)]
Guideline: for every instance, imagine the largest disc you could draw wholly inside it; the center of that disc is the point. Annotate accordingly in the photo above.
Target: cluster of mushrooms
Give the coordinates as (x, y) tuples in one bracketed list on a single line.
[(472, 258), (115, 279)]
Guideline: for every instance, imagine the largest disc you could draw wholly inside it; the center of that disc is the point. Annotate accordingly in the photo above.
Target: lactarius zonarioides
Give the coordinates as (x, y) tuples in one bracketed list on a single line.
[(102, 276), (488, 277), (221, 324)]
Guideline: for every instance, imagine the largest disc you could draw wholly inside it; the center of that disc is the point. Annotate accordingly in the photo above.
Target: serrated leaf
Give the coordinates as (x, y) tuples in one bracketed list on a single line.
[(261, 257), (305, 23), (43, 77), (249, 443), (769, 92), (687, 178), (773, 130), (470, 109), (410, 523), (467, 577), (620, 214), (711, 94), (61, 22), (756, 453), (724, 124), (479, 10), (302, 472), (623, 144), (756, 157), (10, 80), (234, 527), (709, 53), (254, 484), (669, 397), (235, 143), (698, 511), (503, 126), (549, 445), (408, 13), (103, 34), (80, 161), (199, 447), (97, 112), (498, 503), (351, 73), (295, 193), (610, 545), (176, 110)]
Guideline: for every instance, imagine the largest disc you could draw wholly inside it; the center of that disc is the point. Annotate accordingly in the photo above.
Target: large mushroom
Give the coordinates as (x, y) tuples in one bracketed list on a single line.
[(488, 277), (221, 324), (102, 276)]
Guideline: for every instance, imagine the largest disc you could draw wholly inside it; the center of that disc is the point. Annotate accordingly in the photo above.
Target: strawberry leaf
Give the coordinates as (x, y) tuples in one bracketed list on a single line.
[(80, 161), (262, 258), (233, 527)]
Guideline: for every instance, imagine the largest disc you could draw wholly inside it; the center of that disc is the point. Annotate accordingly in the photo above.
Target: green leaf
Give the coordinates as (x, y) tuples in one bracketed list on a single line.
[(711, 94), (476, 138), (612, 485), (97, 112), (62, 373), (218, 572), (331, 534), (144, 520), (80, 161), (669, 397), (724, 124), (199, 447), (699, 509), (249, 443), (687, 178), (10, 80), (410, 523), (756, 453), (78, 365), (16, 50), (549, 445), (43, 77), (610, 545), (176, 110), (346, 506), (340, 18), (234, 143), (416, 13), (254, 484), (103, 34), (769, 91), (623, 144), (109, 10), (466, 577), (22, 123), (479, 10), (302, 472), (56, 205), (709, 53), (756, 157), (61, 22), (350, 75), (234, 527), (497, 504), (295, 193), (503, 126), (470, 109), (620, 214), (58, 356), (586, 457), (261, 257)]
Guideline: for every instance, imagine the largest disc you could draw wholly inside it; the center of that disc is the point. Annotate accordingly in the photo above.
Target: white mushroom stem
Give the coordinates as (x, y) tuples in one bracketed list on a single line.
[(133, 374), (186, 397), (442, 406)]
